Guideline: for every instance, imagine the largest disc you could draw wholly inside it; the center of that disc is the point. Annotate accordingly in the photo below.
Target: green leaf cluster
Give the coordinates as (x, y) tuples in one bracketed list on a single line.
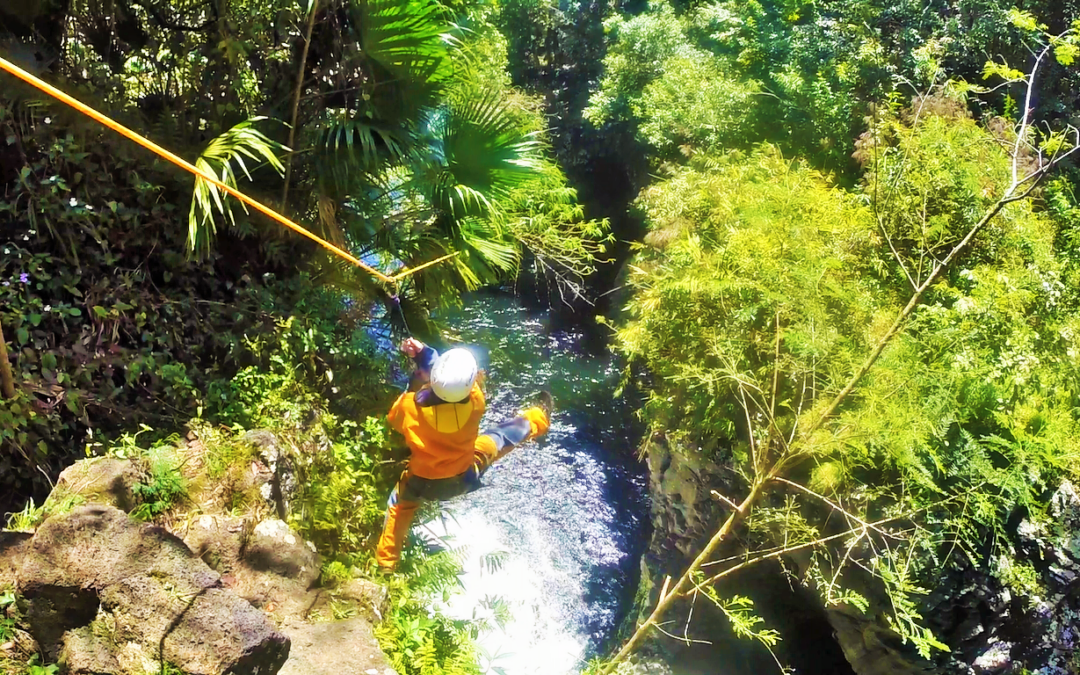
[(761, 287), (739, 244)]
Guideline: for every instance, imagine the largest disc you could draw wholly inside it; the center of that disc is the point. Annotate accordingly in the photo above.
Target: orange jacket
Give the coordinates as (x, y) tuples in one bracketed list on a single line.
[(441, 437)]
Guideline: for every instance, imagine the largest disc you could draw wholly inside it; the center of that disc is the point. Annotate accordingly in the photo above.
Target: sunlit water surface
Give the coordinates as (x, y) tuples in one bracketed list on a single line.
[(565, 515)]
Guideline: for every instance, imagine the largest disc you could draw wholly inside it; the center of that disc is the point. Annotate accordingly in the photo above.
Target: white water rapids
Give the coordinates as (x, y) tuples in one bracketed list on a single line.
[(563, 514)]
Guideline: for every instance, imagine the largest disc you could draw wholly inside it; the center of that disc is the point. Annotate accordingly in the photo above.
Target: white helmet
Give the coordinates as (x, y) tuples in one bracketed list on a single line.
[(453, 375)]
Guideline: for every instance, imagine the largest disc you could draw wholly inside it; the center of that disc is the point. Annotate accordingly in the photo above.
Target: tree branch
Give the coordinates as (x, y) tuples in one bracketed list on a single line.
[(834, 505), (684, 582)]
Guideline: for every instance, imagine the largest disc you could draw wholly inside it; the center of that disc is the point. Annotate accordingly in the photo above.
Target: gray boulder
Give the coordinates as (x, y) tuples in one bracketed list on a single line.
[(274, 547), (13, 546), (282, 488), (206, 631), (335, 648), (83, 653), (267, 564), (100, 480), (144, 596)]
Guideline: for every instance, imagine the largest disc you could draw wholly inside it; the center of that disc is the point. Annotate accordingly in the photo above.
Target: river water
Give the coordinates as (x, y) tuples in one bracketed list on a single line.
[(564, 516)]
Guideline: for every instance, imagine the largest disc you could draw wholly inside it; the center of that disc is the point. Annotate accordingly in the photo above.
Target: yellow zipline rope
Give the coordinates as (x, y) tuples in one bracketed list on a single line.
[(188, 166)]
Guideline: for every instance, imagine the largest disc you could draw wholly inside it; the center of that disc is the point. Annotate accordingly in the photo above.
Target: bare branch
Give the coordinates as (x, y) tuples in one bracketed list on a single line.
[(724, 499), (684, 582), (687, 640), (1024, 120)]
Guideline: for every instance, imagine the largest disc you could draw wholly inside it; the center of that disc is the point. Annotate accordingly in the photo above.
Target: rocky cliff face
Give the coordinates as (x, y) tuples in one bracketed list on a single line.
[(1031, 625), (209, 590), (990, 628)]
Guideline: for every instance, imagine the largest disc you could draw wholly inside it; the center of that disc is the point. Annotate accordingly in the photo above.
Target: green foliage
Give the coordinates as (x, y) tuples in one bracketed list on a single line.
[(735, 243), (760, 289), (109, 325), (339, 505), (729, 74), (640, 51), (20, 656), (27, 665), (162, 487), (342, 507), (36, 669), (7, 624), (425, 162), (744, 623), (418, 644), (224, 452), (334, 573), (543, 214), (28, 519), (697, 104), (905, 618), (806, 76), (417, 641), (217, 160), (1021, 577), (391, 104)]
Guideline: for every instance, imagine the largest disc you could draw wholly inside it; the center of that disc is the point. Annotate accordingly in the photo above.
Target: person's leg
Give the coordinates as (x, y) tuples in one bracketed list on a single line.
[(493, 444), (400, 510)]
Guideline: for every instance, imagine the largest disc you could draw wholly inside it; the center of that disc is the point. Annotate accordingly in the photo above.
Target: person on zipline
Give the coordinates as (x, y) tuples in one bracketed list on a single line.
[(440, 418)]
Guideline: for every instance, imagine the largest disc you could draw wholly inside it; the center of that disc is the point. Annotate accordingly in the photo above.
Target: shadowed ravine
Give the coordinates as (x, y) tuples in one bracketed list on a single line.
[(569, 511)]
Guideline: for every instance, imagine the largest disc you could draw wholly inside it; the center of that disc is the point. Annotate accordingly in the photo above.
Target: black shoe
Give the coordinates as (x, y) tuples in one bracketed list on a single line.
[(545, 402)]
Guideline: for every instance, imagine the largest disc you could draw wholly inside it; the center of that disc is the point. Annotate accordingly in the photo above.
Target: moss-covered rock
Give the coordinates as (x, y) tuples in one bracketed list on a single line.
[(205, 631), (98, 480), (83, 653), (13, 546), (96, 582)]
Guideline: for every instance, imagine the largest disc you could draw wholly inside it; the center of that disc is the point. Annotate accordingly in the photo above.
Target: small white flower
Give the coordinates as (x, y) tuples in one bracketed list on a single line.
[(6, 251), (48, 120), (48, 308), (26, 237), (89, 208), (74, 202)]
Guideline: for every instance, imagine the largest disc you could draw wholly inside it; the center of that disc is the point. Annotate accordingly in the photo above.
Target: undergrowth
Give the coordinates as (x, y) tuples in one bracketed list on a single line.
[(162, 486), (18, 655), (343, 461), (32, 515), (345, 468), (417, 640)]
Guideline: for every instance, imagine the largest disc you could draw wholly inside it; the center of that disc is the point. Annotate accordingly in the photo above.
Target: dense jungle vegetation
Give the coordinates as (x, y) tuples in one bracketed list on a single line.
[(837, 241), (137, 303)]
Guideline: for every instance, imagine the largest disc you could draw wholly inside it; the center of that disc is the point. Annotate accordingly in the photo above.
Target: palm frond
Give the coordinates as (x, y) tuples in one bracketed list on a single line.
[(488, 254), (406, 36), (485, 155), (408, 44), (218, 160), (357, 149)]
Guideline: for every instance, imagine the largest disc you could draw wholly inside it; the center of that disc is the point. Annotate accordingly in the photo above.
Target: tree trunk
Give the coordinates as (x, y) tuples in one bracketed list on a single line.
[(296, 101), (7, 382)]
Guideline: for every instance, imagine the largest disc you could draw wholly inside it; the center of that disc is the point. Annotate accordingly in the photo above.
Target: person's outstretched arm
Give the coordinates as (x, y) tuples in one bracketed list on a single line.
[(424, 357)]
